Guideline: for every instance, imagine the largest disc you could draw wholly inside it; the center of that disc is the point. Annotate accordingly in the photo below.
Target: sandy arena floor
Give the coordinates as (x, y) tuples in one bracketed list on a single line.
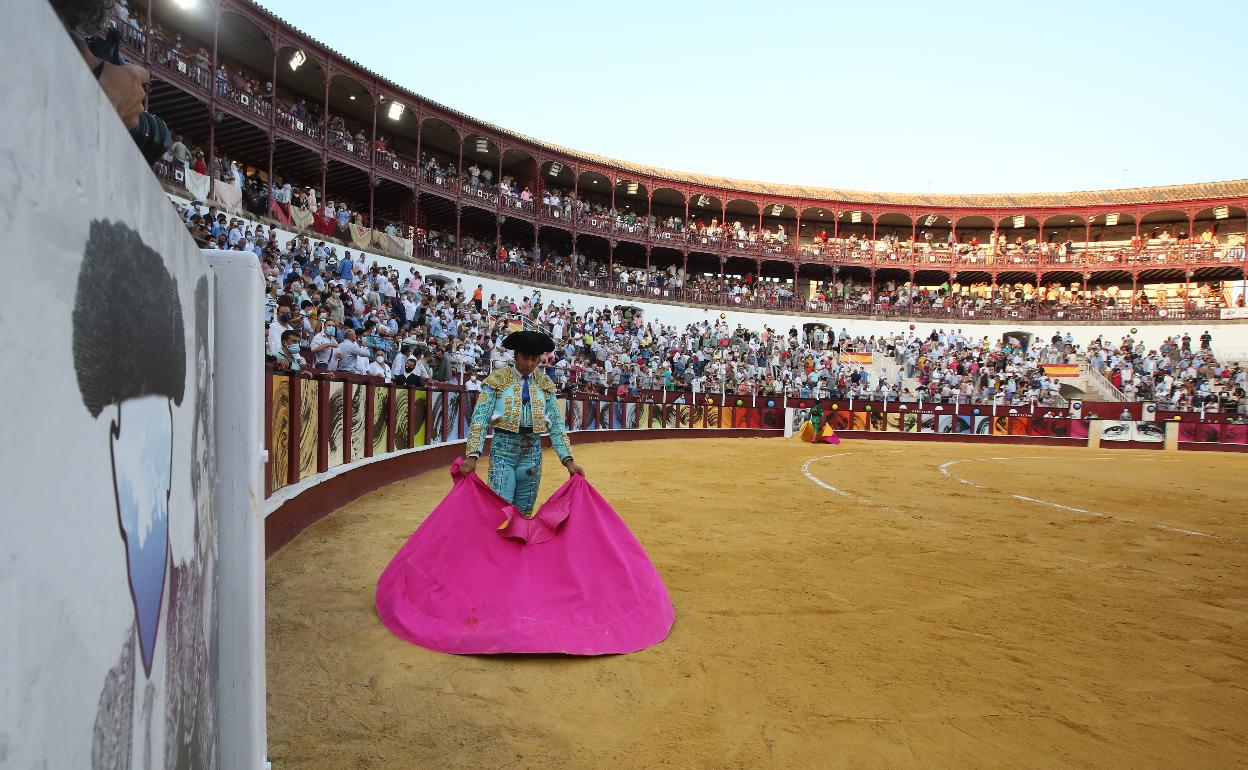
[(900, 619)]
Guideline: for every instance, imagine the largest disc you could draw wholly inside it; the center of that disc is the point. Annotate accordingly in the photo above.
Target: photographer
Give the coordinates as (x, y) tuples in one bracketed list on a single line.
[(124, 84)]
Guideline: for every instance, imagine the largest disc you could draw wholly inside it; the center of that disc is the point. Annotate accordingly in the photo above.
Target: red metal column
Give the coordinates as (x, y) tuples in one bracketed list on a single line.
[(322, 427), (391, 410), (325, 137), (294, 390), (273, 111), (369, 396), (372, 165), (212, 101)]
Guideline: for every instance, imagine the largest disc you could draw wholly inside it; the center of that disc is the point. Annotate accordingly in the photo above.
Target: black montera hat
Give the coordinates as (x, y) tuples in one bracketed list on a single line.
[(529, 343)]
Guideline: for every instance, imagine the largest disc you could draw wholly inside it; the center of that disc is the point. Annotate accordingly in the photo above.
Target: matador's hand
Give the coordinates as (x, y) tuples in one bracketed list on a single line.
[(469, 465), (573, 468)]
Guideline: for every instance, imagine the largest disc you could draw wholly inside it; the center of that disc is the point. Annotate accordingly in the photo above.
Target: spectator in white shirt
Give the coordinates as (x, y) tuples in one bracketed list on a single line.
[(379, 368), (280, 325), (324, 346)]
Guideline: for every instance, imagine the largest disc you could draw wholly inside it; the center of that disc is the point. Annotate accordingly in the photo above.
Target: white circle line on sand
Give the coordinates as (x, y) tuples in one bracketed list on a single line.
[(944, 469), (806, 472)]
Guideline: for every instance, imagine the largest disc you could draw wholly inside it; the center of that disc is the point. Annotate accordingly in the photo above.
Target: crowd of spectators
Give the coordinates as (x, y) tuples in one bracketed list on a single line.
[(977, 298), (1174, 375), (331, 310)]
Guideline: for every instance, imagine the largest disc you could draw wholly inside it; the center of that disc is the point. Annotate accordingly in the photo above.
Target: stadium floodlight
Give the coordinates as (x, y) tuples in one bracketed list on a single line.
[(1221, 212), (702, 201), (1020, 222), (297, 59), (776, 210), (396, 110), (186, 5), (632, 188), (555, 168), (483, 145), (855, 217), (931, 220), (1111, 219)]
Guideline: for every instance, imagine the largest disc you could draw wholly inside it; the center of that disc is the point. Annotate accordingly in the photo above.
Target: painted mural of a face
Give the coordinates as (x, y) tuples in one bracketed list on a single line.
[(130, 360)]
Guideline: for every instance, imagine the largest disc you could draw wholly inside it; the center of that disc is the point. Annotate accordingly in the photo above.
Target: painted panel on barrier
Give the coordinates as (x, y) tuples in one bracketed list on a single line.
[(358, 406), (336, 425), (402, 438), (714, 416), (1078, 428), (436, 417), (1129, 430), (1235, 433), (418, 419), (773, 418), (858, 421), (945, 423), (604, 415), (454, 401), (109, 550), (279, 456), (309, 426), (894, 422), (381, 419), (927, 423)]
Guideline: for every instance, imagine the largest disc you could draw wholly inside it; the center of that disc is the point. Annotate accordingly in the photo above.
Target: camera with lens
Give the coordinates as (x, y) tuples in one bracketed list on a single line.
[(151, 135)]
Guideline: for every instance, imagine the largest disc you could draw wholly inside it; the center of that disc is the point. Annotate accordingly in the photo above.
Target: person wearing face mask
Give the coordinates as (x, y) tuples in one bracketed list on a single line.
[(408, 377), (287, 358), (324, 346), (379, 368), (333, 305), (280, 326)]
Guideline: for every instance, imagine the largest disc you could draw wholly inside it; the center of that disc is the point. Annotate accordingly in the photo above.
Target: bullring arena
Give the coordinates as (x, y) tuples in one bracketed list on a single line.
[(853, 479), (852, 608)]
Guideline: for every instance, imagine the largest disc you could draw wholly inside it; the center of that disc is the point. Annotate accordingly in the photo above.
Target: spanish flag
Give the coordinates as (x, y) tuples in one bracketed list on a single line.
[(856, 358), (1061, 370)]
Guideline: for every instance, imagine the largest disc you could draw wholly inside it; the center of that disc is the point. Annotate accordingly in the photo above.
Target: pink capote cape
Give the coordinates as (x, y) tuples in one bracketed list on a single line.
[(573, 579)]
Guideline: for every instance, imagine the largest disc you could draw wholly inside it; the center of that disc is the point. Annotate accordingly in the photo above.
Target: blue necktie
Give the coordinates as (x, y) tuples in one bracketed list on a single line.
[(524, 390)]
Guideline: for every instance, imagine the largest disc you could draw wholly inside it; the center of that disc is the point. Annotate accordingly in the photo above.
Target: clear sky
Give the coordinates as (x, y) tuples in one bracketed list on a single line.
[(905, 95)]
